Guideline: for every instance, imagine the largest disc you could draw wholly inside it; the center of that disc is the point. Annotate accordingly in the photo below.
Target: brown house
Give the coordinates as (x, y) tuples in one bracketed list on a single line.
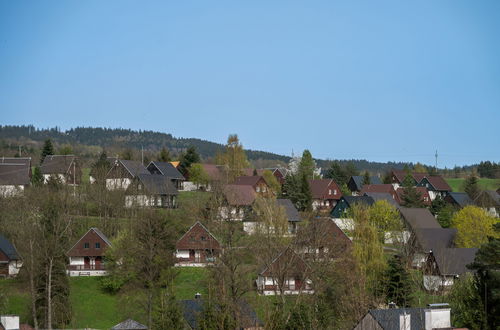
[(15, 175), (278, 173), (398, 176), (62, 167), (238, 201), (122, 173), (257, 182), (86, 257), (380, 188), (197, 247), (325, 194)]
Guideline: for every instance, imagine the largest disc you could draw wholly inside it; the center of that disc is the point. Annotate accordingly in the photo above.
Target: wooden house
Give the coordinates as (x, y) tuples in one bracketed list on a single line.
[(86, 257), (341, 209), (10, 261), (122, 173), (435, 185), (238, 201), (151, 190), (278, 173), (257, 182), (197, 247), (15, 176), (287, 274), (251, 223), (489, 200), (64, 168), (355, 183), (168, 170), (325, 194), (398, 177)]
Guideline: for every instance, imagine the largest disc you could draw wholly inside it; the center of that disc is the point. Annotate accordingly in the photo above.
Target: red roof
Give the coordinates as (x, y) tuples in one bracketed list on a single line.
[(249, 180), (239, 195), (197, 238), (321, 188), (401, 175), (287, 263), (438, 183)]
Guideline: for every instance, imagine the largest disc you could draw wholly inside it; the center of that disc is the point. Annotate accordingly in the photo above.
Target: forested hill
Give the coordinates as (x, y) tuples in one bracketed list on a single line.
[(88, 141)]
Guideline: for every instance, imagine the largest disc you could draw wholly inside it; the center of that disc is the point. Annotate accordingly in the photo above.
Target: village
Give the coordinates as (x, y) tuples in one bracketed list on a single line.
[(293, 247)]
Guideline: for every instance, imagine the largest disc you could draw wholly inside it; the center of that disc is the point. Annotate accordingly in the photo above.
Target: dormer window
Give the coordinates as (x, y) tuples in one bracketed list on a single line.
[(86, 245)]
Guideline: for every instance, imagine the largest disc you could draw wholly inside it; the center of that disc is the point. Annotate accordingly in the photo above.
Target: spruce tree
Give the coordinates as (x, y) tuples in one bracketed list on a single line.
[(187, 159), (48, 149), (471, 187), (366, 178), (337, 173), (411, 197), (101, 167), (164, 155), (307, 165), (36, 177), (305, 194), (398, 283)]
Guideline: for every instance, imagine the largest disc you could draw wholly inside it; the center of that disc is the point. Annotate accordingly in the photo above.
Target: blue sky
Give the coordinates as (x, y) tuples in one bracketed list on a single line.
[(379, 80)]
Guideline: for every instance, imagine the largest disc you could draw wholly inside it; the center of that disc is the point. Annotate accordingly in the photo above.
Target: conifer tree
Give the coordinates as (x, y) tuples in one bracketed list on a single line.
[(37, 177), (337, 173), (48, 149), (366, 178), (307, 165), (471, 187), (305, 201), (189, 158), (398, 283), (164, 155), (411, 197)]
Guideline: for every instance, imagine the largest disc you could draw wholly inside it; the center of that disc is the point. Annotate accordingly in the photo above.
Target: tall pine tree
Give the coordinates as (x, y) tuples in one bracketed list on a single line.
[(48, 149)]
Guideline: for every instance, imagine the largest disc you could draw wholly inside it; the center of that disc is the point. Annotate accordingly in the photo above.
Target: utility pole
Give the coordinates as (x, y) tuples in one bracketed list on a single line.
[(142, 155), (19, 151), (436, 155)]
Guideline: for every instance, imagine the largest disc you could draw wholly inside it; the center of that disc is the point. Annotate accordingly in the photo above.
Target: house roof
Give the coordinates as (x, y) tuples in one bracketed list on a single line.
[(291, 211), (214, 172), (157, 184), (8, 249), (56, 164), (460, 198), (14, 174), (95, 230), (167, 169), (383, 196), (209, 243), (319, 187), (129, 325), (419, 218), (239, 195), (192, 309), (488, 198), (438, 182), (389, 319), (16, 160), (134, 167), (435, 238), (401, 175), (247, 180), (380, 188), (287, 262), (366, 200), (454, 261), (358, 180)]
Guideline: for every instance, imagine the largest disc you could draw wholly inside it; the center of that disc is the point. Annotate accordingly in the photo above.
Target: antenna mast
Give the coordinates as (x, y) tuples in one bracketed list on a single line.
[(436, 155)]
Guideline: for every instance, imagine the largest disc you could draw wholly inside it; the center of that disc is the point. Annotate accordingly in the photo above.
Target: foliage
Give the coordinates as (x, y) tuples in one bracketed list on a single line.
[(474, 225), (272, 182), (37, 177), (419, 168), (296, 188), (399, 286), (164, 155), (411, 197), (127, 154), (101, 167), (385, 218), (167, 312), (337, 173), (471, 187), (466, 304), (198, 175), (307, 165), (366, 178), (489, 169), (442, 211), (187, 159), (233, 157), (66, 150), (48, 149), (457, 184)]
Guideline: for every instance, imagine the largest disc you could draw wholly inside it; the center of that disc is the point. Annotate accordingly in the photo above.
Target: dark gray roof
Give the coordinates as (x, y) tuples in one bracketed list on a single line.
[(454, 261), (378, 196), (358, 180), (389, 318), (461, 198), (14, 174), (488, 198), (157, 184), (129, 325), (435, 238), (193, 309), (419, 218), (134, 167), (57, 164), (290, 209), (167, 169), (366, 200), (8, 249)]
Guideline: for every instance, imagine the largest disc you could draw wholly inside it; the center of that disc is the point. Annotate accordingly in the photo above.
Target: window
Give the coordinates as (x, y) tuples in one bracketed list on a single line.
[(203, 238), (86, 245), (258, 189), (97, 245), (335, 192), (329, 191)]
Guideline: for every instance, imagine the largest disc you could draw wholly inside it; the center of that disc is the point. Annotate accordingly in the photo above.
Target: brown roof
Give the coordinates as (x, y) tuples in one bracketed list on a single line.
[(438, 183), (419, 218), (57, 164), (198, 237), (246, 180), (323, 232), (239, 195), (320, 187), (287, 262), (93, 236), (16, 160), (14, 174), (422, 190), (380, 188), (401, 175), (214, 172)]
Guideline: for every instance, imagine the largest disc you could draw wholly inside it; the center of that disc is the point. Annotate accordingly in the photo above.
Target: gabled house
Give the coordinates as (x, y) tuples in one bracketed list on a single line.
[(65, 168), (458, 199), (251, 223), (15, 176), (257, 182), (197, 247), (129, 324), (287, 274), (435, 316), (168, 170), (10, 261), (378, 196), (122, 173), (216, 174), (444, 265), (246, 317), (398, 176), (489, 200), (96, 175), (380, 188), (436, 186), (86, 257), (279, 173), (238, 201), (151, 190), (355, 183), (341, 209), (424, 196), (325, 194)]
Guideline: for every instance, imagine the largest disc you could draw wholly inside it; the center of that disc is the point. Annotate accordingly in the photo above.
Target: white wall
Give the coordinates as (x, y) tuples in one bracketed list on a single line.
[(120, 183), (61, 177), (76, 261), (15, 267), (437, 318), (182, 254), (344, 223), (10, 322), (11, 190)]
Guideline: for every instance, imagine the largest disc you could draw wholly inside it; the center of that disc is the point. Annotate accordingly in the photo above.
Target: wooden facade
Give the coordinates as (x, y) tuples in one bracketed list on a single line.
[(86, 257), (197, 247)]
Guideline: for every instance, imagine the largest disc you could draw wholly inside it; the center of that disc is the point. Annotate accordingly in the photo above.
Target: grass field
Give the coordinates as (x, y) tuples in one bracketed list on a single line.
[(189, 281), (456, 184)]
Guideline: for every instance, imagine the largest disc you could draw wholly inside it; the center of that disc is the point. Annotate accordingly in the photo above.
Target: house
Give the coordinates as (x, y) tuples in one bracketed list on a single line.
[(378, 196), (122, 173), (325, 194), (444, 265), (287, 274), (279, 173), (257, 182), (238, 201), (424, 196), (290, 211), (216, 174), (489, 200), (436, 186), (168, 170), (86, 257), (15, 176), (10, 261), (129, 324), (63, 167), (100, 174), (380, 188), (247, 319), (398, 177), (458, 199), (435, 316), (355, 183), (197, 247), (341, 209), (151, 190)]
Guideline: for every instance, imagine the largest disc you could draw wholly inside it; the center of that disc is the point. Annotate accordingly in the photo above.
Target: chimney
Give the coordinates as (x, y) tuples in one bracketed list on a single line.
[(404, 321), (437, 316)]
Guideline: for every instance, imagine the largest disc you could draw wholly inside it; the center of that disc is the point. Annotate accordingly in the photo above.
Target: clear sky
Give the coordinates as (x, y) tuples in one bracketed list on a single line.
[(380, 80)]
